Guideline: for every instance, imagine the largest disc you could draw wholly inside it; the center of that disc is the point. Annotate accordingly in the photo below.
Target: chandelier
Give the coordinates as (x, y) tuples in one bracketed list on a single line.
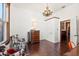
[(47, 11)]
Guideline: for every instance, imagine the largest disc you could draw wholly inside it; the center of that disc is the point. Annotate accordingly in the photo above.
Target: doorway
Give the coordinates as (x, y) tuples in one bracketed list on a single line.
[(64, 36)]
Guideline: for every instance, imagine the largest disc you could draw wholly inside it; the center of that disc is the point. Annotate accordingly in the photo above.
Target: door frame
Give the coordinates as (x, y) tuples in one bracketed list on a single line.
[(64, 28)]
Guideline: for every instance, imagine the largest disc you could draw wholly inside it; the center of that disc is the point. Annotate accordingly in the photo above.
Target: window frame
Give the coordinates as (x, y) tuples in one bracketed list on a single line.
[(2, 20)]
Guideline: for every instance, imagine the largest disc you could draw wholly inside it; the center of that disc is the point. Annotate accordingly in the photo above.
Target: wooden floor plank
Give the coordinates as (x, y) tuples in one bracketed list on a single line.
[(46, 48)]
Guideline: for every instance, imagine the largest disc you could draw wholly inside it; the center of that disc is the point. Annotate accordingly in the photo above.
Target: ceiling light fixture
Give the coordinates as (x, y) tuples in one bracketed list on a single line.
[(47, 11)]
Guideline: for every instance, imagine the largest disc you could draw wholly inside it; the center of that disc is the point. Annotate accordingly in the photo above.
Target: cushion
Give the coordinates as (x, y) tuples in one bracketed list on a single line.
[(11, 51)]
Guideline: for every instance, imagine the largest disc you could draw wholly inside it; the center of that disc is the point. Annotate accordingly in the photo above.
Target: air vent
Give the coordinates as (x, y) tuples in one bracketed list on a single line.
[(63, 6)]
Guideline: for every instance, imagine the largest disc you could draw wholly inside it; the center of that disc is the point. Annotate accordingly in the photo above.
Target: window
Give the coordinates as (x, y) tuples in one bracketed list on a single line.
[(0, 10), (1, 21)]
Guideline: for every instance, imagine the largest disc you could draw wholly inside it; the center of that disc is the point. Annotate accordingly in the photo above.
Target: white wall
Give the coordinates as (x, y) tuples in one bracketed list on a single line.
[(21, 22), (67, 13)]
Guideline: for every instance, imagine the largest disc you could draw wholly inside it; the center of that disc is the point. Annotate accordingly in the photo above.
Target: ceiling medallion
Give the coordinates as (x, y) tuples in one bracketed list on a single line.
[(47, 11)]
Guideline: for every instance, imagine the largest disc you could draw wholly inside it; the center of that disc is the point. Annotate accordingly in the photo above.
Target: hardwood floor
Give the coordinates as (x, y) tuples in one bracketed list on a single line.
[(64, 48), (46, 48), (73, 52)]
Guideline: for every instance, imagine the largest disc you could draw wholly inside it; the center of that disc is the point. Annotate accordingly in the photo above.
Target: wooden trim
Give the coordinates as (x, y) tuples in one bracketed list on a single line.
[(8, 22), (66, 22)]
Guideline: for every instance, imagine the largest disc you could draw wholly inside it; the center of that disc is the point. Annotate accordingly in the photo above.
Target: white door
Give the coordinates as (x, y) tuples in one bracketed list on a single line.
[(74, 31), (78, 30)]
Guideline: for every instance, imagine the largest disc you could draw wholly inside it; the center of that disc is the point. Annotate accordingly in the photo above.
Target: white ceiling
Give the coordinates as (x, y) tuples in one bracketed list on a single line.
[(41, 6)]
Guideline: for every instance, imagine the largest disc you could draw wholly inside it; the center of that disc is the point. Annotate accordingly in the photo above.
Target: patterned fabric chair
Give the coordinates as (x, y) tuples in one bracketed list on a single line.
[(2, 49), (16, 46)]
